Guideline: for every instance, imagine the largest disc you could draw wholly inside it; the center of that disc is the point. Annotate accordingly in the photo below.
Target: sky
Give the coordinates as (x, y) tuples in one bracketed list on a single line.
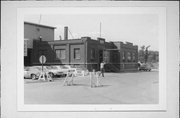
[(140, 29)]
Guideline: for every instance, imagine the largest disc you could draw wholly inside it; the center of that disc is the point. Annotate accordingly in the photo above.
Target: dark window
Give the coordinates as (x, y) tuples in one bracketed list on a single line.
[(76, 53), (61, 54), (93, 54)]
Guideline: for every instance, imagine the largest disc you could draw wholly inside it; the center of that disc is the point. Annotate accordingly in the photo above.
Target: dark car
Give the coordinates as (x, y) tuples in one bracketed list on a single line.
[(145, 67)]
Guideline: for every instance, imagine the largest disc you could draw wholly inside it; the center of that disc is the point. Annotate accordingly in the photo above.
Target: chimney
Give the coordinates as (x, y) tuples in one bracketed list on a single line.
[(66, 33)]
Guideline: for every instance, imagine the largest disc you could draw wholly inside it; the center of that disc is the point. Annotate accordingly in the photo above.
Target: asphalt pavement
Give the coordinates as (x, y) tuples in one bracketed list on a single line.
[(116, 88)]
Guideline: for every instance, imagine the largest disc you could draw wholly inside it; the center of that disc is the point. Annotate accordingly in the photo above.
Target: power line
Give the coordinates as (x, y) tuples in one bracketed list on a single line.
[(70, 33)]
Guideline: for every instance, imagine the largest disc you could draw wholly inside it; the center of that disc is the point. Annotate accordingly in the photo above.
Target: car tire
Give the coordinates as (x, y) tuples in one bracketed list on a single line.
[(33, 76)]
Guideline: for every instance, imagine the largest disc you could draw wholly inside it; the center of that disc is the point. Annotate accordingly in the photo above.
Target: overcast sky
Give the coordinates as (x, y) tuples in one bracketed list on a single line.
[(140, 29)]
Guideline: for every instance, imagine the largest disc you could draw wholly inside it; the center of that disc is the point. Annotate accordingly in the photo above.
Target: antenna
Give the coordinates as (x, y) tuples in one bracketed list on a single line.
[(40, 19), (38, 28)]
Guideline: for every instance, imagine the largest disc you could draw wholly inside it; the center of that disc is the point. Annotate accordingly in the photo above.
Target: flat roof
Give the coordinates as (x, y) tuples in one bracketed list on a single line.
[(39, 25)]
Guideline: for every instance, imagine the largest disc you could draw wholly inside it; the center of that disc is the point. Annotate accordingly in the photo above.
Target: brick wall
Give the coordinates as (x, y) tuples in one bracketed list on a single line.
[(91, 53)]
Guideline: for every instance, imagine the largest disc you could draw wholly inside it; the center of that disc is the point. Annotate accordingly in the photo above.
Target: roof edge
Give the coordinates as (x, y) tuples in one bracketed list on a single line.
[(41, 25)]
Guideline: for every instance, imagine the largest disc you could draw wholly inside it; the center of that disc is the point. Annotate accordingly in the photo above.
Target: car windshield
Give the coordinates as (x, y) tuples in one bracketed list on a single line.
[(54, 67), (51, 67), (64, 67), (32, 68), (36, 67), (26, 69), (78, 68)]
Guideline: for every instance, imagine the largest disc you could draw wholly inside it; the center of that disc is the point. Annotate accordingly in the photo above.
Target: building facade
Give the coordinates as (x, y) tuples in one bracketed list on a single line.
[(33, 32), (87, 53), (83, 52), (128, 56)]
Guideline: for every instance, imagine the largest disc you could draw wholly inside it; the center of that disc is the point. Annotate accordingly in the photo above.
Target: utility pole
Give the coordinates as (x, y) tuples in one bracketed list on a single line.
[(100, 29), (40, 19)]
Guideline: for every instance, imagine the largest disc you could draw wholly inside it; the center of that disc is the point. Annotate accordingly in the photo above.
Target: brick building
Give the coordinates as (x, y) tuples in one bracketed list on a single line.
[(33, 31), (128, 55), (88, 53), (85, 52)]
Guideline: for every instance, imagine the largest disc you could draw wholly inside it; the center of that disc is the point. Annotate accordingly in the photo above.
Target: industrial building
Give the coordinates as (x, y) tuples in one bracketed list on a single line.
[(33, 31), (84, 52)]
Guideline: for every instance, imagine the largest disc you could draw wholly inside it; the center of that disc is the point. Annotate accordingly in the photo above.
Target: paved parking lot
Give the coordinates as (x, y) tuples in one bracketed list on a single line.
[(117, 88)]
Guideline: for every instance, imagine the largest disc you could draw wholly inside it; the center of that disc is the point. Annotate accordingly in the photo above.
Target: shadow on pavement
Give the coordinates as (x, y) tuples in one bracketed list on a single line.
[(103, 86), (89, 85), (80, 85)]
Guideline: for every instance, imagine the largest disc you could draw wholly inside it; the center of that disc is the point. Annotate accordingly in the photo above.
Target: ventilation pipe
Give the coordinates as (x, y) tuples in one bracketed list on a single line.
[(66, 33)]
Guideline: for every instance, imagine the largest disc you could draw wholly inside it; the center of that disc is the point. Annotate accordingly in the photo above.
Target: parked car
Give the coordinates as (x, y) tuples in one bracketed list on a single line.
[(75, 70), (82, 72), (32, 72), (78, 70), (66, 68), (145, 67), (54, 71)]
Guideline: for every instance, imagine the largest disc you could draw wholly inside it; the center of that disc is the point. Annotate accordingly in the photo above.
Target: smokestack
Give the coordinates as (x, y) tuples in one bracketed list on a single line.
[(66, 33)]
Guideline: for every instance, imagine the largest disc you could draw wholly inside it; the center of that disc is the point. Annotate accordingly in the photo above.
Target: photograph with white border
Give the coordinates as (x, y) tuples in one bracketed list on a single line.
[(91, 59)]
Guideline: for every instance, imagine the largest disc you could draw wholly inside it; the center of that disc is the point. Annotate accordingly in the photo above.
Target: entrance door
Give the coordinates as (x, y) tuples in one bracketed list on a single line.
[(107, 56), (100, 56)]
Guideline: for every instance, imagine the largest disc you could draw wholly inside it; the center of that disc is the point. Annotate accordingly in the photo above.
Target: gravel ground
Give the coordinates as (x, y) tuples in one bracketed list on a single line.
[(117, 88)]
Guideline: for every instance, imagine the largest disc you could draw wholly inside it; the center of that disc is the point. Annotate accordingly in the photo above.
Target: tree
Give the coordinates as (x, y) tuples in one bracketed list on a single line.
[(146, 54), (141, 54)]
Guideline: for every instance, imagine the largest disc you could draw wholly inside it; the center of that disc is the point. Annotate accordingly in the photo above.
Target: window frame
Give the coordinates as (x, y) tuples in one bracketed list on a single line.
[(93, 53), (75, 56), (129, 57), (123, 56), (133, 57), (60, 57)]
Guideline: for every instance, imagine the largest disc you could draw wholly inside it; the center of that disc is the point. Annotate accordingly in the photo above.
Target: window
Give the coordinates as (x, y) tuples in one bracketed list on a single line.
[(133, 57), (61, 54), (92, 53), (129, 56), (101, 41), (76, 53), (123, 57)]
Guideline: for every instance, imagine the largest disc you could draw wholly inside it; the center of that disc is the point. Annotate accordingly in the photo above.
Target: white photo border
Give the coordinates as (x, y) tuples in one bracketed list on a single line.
[(160, 11)]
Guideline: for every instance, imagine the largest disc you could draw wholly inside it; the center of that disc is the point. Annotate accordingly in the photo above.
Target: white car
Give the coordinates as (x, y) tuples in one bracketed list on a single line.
[(31, 72), (54, 71), (65, 69), (81, 72), (78, 71)]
